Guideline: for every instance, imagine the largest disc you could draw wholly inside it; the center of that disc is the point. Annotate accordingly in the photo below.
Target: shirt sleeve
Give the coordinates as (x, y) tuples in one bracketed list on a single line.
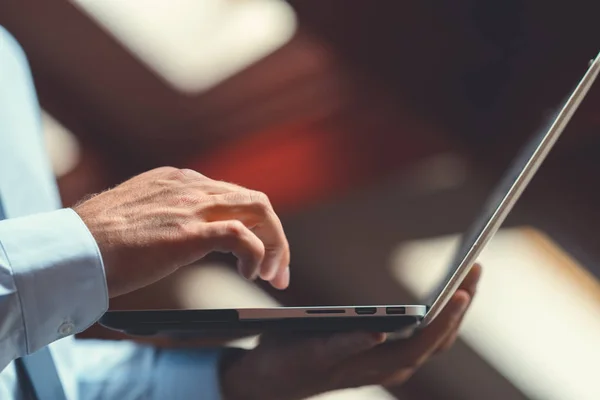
[(52, 281), (126, 370)]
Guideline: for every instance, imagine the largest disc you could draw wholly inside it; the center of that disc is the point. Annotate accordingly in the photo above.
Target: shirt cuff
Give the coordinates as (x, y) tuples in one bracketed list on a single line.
[(58, 273), (187, 374)]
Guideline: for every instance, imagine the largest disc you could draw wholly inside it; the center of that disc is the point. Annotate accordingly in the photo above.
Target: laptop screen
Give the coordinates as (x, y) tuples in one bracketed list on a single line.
[(492, 203), (509, 189)]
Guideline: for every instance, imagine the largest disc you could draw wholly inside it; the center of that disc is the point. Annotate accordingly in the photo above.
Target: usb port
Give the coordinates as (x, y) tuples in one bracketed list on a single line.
[(365, 310), (395, 310)]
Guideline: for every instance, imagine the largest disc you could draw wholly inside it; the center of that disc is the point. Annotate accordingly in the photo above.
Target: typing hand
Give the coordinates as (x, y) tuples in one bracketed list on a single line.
[(290, 368), (167, 218)]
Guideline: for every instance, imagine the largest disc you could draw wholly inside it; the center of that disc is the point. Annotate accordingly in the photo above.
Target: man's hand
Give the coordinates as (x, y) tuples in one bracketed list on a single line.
[(296, 368), (167, 218)]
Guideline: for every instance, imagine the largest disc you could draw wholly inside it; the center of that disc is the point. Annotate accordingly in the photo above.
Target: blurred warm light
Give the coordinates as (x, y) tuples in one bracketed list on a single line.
[(363, 393), (215, 286), (196, 44), (63, 148), (536, 316)]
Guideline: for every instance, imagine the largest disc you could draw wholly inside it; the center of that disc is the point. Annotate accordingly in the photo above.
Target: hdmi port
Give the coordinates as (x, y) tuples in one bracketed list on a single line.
[(365, 310)]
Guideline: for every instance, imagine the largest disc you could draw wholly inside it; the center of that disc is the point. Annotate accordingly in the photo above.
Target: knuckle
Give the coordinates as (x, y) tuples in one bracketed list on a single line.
[(181, 174), (259, 252), (174, 174), (233, 199), (190, 173), (186, 229), (167, 170), (259, 200), (234, 229)]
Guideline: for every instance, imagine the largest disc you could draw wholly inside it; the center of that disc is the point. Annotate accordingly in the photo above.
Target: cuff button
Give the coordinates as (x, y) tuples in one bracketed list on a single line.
[(66, 329)]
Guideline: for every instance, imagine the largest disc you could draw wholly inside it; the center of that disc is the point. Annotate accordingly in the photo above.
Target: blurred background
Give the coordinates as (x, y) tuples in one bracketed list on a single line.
[(377, 129)]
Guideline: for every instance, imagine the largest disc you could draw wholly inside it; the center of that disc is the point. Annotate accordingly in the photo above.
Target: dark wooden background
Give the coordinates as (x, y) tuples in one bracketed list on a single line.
[(363, 91)]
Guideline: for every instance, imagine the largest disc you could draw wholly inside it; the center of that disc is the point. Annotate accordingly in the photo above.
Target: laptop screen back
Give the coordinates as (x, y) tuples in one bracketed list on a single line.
[(507, 192)]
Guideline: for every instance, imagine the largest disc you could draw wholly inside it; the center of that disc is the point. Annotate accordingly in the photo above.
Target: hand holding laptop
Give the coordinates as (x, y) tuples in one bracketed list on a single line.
[(291, 367)]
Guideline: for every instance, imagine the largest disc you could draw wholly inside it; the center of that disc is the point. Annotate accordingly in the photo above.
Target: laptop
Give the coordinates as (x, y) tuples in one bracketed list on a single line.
[(392, 318)]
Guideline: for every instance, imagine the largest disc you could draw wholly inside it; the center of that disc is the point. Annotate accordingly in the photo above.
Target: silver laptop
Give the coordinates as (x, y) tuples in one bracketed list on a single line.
[(383, 318)]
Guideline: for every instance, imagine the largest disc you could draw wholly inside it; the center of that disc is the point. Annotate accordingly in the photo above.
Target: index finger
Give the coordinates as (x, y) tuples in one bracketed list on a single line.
[(412, 352), (470, 286), (254, 210), (420, 347)]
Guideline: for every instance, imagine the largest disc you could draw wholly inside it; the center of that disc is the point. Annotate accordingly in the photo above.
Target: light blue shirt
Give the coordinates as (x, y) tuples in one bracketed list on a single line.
[(52, 282)]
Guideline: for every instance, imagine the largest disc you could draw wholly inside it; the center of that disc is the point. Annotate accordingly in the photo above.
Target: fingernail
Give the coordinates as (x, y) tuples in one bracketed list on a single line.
[(285, 278), (281, 280)]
